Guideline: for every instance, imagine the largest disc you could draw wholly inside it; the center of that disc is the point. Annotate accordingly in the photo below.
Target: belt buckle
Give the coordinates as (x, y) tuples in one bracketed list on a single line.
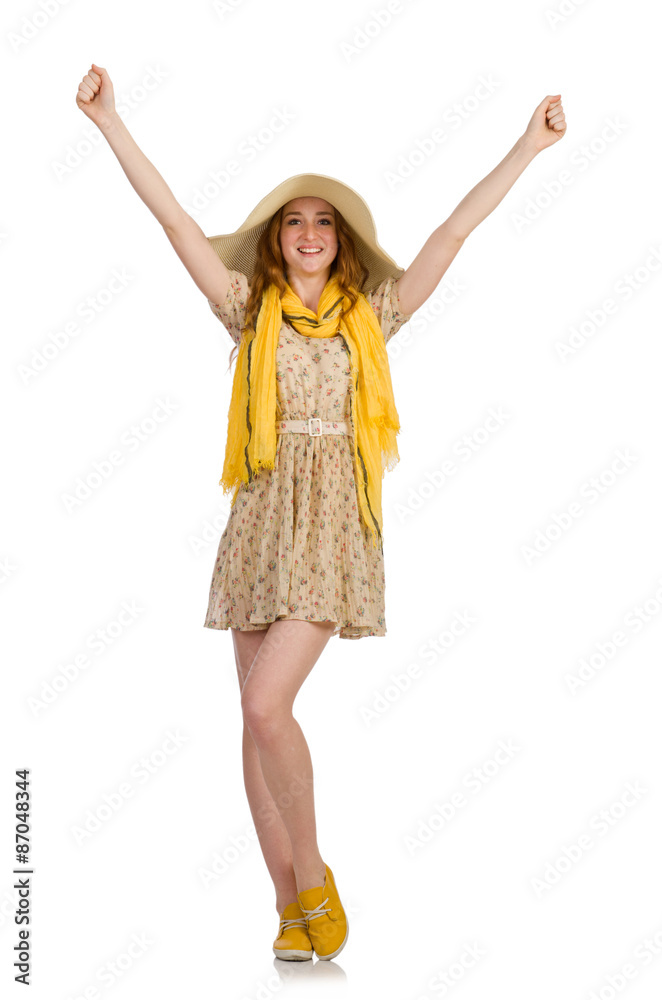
[(310, 427)]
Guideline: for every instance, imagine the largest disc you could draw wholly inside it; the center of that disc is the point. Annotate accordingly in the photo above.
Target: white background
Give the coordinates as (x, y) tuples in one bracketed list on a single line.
[(500, 874)]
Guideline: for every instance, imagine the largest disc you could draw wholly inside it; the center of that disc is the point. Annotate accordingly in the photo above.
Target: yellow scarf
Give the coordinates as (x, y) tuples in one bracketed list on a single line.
[(251, 442)]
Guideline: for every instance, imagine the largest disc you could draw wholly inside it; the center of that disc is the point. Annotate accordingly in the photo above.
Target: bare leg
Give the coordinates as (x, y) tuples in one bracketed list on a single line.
[(272, 836), (272, 665)]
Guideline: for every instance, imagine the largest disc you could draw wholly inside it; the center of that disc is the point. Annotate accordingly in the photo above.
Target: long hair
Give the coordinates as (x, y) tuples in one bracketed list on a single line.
[(270, 269)]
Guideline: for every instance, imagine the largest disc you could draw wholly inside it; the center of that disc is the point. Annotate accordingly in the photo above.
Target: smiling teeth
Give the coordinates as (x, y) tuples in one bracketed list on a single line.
[(311, 250)]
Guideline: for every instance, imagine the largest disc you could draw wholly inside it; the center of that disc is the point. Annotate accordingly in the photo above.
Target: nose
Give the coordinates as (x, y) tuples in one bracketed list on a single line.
[(309, 230)]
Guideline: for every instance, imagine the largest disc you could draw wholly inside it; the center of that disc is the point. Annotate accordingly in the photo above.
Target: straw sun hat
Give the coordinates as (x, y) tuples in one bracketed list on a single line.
[(237, 250)]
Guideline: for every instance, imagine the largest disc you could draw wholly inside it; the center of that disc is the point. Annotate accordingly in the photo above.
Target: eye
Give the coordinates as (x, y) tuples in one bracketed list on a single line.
[(292, 222)]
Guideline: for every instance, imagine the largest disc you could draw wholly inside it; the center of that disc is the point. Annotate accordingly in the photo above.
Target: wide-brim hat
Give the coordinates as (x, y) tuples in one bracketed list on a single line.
[(238, 250)]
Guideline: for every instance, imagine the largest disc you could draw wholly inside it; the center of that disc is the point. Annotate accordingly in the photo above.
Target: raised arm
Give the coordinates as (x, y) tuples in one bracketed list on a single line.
[(547, 126), (96, 99)]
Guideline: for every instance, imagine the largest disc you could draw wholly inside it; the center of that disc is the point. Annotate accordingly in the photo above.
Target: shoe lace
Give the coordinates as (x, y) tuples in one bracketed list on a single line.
[(296, 922), (317, 911)]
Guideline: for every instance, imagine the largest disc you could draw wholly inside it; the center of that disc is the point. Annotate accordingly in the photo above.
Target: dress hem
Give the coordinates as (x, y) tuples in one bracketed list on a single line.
[(263, 625)]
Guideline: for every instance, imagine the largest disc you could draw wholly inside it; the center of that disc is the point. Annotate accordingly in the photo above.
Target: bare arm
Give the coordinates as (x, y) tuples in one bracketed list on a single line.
[(96, 99), (429, 266)]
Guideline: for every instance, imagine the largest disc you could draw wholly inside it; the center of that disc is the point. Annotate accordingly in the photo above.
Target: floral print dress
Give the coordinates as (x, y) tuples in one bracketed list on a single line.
[(295, 545)]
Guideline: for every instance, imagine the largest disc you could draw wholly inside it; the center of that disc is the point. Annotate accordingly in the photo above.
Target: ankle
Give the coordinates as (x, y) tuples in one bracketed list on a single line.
[(281, 904), (286, 887), (310, 876)]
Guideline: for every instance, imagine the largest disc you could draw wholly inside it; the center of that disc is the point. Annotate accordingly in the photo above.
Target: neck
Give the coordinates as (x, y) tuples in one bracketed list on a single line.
[(309, 287)]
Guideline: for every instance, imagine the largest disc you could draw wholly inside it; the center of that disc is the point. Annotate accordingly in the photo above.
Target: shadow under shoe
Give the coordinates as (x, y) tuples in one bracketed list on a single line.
[(327, 922), (293, 943)]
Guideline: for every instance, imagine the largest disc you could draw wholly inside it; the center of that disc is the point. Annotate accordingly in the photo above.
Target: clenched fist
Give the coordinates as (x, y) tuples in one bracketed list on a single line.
[(96, 97), (547, 123)]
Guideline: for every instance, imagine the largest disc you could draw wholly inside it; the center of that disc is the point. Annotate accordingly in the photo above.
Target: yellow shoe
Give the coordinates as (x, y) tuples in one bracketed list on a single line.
[(293, 943), (327, 922)]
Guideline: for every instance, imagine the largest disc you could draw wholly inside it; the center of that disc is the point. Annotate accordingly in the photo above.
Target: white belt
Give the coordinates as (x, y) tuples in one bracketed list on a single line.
[(313, 426)]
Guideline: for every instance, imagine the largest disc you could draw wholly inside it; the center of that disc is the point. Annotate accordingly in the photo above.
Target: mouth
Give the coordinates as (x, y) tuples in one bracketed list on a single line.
[(309, 250)]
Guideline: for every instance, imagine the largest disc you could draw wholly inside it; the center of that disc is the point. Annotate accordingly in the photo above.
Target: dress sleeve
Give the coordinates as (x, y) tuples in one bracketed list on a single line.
[(232, 312), (386, 305)]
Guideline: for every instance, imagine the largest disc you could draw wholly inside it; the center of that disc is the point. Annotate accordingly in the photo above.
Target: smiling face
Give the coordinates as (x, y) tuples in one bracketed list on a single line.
[(308, 237)]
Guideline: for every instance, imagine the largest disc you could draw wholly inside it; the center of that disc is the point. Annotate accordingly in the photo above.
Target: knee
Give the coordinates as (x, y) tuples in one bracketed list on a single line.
[(264, 718)]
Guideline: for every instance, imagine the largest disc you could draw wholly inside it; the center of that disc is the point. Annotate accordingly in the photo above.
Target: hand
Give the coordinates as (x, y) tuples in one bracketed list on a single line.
[(96, 97), (547, 123)]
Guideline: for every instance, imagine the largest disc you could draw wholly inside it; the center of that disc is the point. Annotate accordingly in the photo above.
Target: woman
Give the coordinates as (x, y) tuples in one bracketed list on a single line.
[(310, 299)]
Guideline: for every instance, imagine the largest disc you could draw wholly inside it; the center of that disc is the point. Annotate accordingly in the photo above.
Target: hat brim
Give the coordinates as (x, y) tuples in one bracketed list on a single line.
[(238, 250)]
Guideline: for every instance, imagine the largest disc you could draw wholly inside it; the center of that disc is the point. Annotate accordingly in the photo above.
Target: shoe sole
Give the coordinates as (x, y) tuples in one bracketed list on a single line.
[(292, 955), (325, 958)]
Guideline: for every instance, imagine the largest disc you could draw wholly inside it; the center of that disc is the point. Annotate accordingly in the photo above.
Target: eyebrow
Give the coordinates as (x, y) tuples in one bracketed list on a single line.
[(300, 213)]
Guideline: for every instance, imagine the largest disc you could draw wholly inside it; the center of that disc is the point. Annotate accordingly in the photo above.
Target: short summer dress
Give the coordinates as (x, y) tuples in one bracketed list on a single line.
[(295, 545)]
